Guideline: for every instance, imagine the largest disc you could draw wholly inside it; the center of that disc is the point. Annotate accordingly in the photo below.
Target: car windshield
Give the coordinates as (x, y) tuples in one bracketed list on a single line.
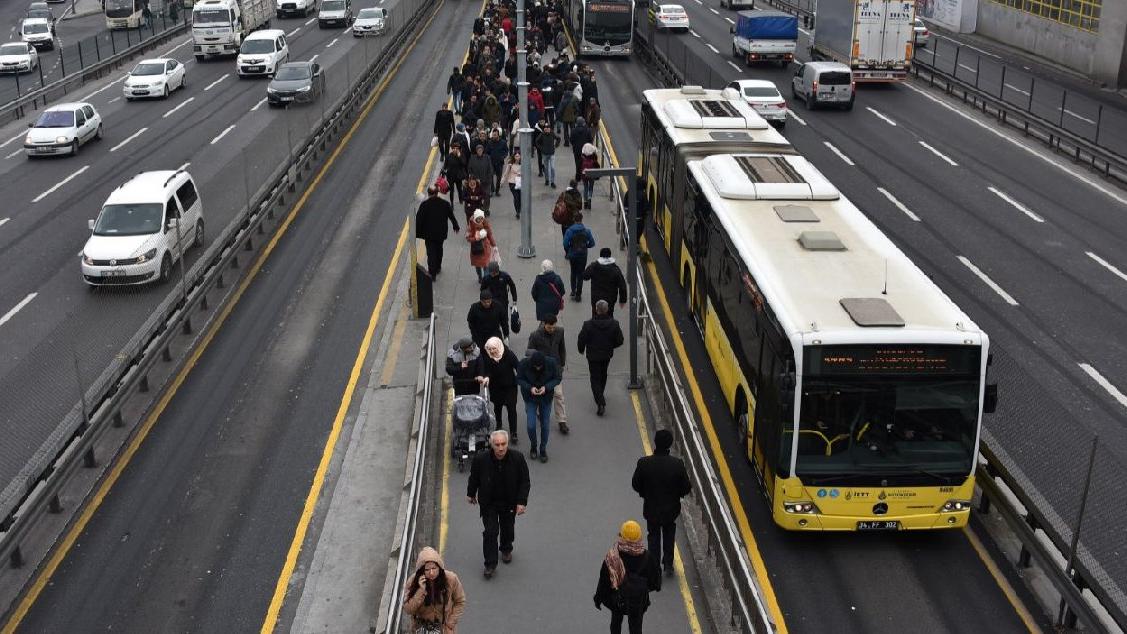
[(55, 119), (210, 16), (257, 46), (835, 78), (13, 49), (332, 5), (290, 73), (129, 220), (152, 68), (370, 13), (35, 27), (39, 13), (760, 91)]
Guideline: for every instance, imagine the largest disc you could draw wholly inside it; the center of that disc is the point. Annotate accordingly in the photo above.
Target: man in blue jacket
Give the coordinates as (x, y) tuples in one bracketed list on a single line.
[(538, 375), (576, 241)]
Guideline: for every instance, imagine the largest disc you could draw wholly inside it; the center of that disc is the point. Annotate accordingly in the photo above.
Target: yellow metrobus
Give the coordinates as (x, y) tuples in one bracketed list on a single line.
[(857, 385)]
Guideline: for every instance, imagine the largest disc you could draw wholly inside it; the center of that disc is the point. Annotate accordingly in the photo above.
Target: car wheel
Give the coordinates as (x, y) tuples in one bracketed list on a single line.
[(811, 102), (198, 240), (99, 134), (165, 95), (849, 104), (74, 148), (165, 269)]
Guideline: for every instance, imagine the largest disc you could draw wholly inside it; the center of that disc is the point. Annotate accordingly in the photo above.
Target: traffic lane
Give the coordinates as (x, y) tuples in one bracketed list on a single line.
[(828, 567), (223, 475)]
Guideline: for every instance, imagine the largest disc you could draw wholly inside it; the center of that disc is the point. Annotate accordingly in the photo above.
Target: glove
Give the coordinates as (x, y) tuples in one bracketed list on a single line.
[(481, 233)]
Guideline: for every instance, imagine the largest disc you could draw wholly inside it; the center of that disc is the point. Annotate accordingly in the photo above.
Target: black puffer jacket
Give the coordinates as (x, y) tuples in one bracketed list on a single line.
[(607, 281), (599, 337)]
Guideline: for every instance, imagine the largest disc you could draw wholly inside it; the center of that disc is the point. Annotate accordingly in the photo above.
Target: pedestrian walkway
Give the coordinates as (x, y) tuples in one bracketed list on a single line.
[(581, 497)]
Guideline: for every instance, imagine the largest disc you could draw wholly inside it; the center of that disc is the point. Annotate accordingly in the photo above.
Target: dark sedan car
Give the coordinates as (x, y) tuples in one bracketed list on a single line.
[(296, 82)]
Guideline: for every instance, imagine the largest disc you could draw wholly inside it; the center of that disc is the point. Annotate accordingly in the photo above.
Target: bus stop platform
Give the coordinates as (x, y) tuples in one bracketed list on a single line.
[(578, 499)]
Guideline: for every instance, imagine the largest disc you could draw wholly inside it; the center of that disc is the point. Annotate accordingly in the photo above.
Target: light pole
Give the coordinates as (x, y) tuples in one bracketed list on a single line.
[(526, 249), (630, 173)]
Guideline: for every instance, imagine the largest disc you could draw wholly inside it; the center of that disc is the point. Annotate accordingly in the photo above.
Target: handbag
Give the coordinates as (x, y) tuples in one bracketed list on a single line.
[(477, 247), (559, 295), (495, 255), (442, 184), (434, 141), (514, 319)]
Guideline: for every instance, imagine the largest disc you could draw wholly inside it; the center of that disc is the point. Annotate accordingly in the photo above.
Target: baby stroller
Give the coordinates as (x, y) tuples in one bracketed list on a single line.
[(473, 421)]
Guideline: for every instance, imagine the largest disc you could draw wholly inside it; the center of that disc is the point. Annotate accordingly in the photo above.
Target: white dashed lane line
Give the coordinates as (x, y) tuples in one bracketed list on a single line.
[(738, 69), (18, 307), (14, 153), (714, 10), (61, 183), (881, 116), (1020, 207), (1098, 378), (899, 205), (259, 104), (694, 33), (128, 139), (730, 20), (293, 32), (713, 49), (222, 134), (1016, 89), (797, 118), (4, 221), (1081, 117), (216, 82), (178, 106), (1009, 299), (936, 152), (310, 21), (330, 44), (841, 155), (15, 138), (1102, 262)]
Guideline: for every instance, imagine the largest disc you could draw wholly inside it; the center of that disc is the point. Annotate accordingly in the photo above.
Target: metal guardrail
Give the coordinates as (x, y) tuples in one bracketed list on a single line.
[(37, 490), (1023, 521)]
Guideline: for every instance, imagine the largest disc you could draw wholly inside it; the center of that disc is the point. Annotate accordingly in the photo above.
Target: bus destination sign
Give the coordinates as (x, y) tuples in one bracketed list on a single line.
[(608, 7), (893, 359)]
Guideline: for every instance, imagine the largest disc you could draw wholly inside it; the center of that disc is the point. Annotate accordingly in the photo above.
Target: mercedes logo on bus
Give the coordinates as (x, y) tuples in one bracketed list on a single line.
[(880, 508)]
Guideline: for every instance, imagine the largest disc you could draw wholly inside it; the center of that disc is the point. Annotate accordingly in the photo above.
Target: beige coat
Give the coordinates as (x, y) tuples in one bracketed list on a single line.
[(448, 614)]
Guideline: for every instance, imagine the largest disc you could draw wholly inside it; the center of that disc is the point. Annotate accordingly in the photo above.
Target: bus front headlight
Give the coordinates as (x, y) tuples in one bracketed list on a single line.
[(802, 508), (955, 506)]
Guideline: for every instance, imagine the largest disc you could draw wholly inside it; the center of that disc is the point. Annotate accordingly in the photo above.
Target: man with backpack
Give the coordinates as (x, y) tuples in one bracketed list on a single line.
[(568, 204), (577, 240), (626, 578)]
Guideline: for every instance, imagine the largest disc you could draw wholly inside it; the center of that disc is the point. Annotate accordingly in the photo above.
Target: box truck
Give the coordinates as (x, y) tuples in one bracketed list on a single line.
[(219, 26), (874, 37), (765, 36)]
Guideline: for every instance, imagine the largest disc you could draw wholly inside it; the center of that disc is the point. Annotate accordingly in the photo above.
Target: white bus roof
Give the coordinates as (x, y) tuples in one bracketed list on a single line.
[(819, 261), (691, 114)]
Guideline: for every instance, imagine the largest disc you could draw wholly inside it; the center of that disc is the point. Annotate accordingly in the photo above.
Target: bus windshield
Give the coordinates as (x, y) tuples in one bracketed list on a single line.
[(122, 8), (887, 411), (610, 27)]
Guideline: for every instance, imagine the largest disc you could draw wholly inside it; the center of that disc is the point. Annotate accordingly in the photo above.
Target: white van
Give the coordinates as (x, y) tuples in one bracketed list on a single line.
[(144, 226), (262, 52), (824, 84)]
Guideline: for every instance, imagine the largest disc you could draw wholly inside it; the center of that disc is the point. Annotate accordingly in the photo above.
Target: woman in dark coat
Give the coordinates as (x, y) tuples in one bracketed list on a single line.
[(548, 291), (499, 368), (628, 574), (455, 170), (481, 166)]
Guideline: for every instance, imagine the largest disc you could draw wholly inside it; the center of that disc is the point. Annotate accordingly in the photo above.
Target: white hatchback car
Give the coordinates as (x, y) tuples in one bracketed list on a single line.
[(154, 78), (920, 33), (61, 129), (262, 52), (18, 57), (669, 16), (764, 98), (144, 226), (37, 32), (370, 21)]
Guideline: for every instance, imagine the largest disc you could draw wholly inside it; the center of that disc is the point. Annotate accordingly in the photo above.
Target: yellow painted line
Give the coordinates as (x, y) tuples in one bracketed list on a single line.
[(396, 343), (444, 500), (1003, 583), (735, 504), (678, 564)]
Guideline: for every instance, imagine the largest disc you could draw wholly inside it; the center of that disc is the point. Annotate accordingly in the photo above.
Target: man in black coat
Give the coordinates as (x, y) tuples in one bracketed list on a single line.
[(607, 281), (662, 481), (499, 485), (443, 129), (486, 319), (500, 285), (580, 136), (430, 226), (598, 338)]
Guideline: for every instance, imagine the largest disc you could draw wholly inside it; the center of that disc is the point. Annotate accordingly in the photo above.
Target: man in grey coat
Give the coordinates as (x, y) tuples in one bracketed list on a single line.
[(549, 339)]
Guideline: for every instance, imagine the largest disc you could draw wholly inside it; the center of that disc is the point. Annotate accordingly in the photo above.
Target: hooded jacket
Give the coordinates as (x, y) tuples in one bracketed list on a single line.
[(501, 286), (537, 370), (580, 135), (607, 281), (599, 337), (463, 378), (570, 250), (491, 110), (447, 613)]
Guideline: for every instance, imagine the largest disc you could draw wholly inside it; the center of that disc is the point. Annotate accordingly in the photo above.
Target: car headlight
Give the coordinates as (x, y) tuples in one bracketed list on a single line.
[(146, 256), (954, 506), (87, 260), (28, 140), (805, 508), (304, 89), (272, 91), (61, 139)]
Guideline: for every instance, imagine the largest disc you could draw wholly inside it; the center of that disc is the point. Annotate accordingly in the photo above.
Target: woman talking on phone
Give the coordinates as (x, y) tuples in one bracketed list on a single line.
[(434, 598)]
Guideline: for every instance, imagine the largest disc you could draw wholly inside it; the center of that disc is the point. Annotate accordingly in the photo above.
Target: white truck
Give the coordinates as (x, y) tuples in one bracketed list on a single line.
[(302, 8), (219, 26), (874, 37), (765, 36)]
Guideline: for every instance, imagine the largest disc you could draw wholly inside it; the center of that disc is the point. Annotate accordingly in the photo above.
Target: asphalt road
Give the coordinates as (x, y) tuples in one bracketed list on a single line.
[(1045, 239), (230, 140), (193, 536)]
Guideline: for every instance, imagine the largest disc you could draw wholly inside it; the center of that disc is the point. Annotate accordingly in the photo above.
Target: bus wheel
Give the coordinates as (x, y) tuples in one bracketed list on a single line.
[(686, 286)]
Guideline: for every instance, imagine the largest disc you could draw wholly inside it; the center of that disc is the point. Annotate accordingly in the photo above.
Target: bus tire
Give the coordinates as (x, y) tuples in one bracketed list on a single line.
[(743, 424)]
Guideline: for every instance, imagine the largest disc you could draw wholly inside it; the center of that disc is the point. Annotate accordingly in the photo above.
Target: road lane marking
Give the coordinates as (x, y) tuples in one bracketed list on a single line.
[(1090, 371), (899, 205), (310, 21), (333, 41), (128, 139), (15, 138), (213, 84), (713, 49), (970, 68), (178, 106), (104, 88), (881, 116), (973, 48), (1016, 89), (714, 10), (293, 32), (694, 33), (733, 65), (184, 166), (17, 308), (222, 134), (678, 563), (114, 100), (797, 118), (1102, 262), (1020, 207), (730, 20), (4, 221), (259, 104), (19, 151), (989, 282), (314, 58), (1003, 583), (1051, 161), (1081, 117), (841, 155), (941, 155), (60, 184)]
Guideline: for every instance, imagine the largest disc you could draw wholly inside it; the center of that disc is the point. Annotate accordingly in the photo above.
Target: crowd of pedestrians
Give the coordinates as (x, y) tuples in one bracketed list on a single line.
[(475, 134)]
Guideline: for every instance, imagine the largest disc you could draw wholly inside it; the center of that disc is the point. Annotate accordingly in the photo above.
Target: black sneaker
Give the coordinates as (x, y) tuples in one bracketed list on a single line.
[(489, 570), (544, 457), (601, 410), (533, 454)]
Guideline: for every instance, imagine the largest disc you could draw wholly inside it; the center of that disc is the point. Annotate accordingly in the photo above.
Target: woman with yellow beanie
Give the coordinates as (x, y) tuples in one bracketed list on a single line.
[(626, 578)]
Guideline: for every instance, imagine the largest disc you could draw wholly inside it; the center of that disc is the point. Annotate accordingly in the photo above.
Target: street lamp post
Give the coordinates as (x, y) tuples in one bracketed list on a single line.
[(629, 173), (526, 249)]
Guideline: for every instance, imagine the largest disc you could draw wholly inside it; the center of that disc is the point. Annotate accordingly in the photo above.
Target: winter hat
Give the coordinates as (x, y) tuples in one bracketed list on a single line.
[(604, 252), (589, 149), (478, 214), (486, 294), (663, 440), (631, 531), (465, 343), (461, 127)]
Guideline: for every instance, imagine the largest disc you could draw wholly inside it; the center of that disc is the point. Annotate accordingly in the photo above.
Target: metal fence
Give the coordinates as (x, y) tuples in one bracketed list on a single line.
[(1105, 126)]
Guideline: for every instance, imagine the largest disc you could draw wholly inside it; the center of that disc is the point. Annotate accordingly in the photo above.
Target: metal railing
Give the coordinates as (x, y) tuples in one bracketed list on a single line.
[(72, 446)]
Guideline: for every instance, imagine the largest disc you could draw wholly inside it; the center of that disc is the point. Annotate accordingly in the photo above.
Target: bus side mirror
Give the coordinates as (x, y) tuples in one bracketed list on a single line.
[(990, 398)]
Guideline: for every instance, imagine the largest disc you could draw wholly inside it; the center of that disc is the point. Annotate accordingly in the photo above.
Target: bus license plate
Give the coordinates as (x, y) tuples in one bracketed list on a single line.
[(879, 525)]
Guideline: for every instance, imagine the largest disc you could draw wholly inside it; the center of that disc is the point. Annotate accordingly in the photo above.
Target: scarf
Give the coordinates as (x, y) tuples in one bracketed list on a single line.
[(494, 348), (616, 570), (606, 261)]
